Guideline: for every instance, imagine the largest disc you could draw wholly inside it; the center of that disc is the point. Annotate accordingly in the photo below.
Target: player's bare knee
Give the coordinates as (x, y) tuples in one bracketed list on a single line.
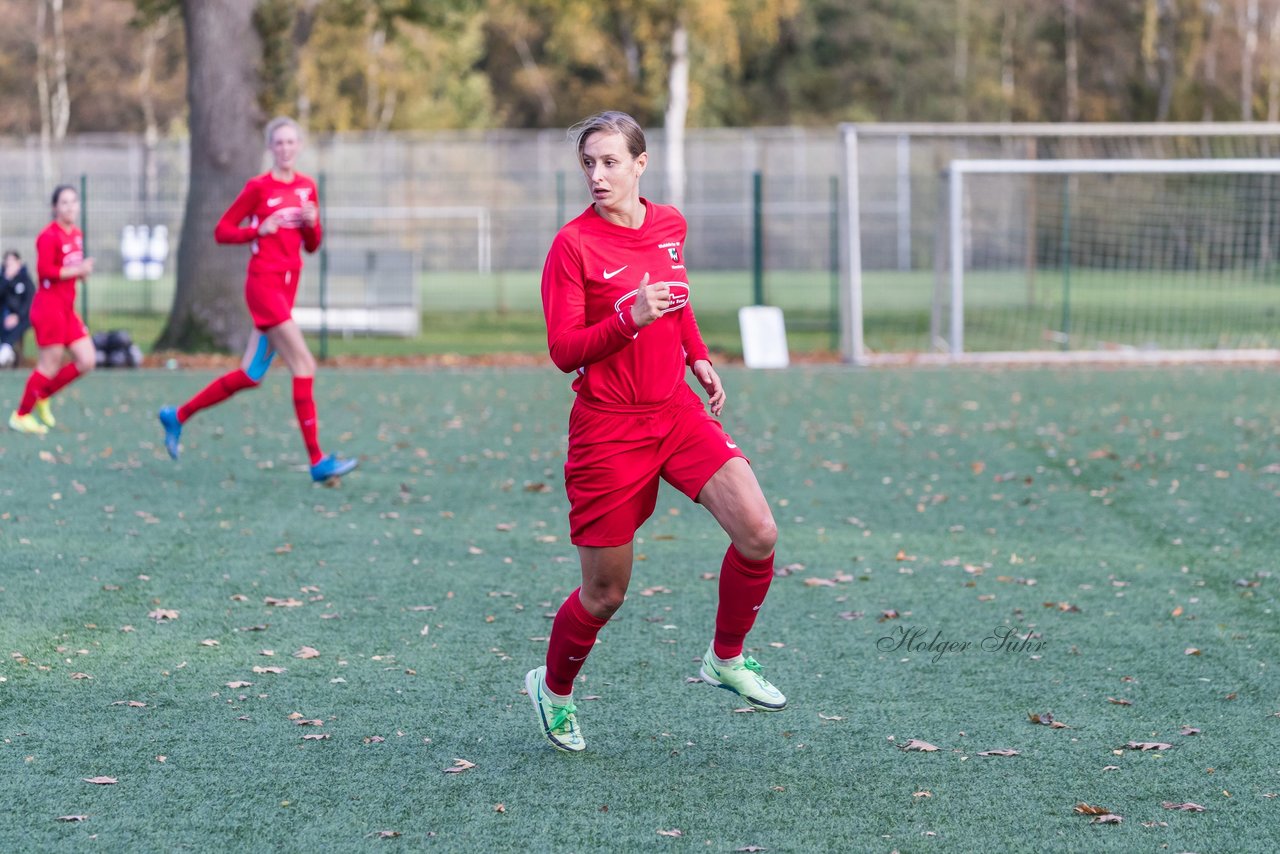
[(603, 602), (86, 365), (759, 539)]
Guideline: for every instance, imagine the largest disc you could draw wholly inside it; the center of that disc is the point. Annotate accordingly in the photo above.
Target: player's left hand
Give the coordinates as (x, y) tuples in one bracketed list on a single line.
[(310, 214), (711, 383)]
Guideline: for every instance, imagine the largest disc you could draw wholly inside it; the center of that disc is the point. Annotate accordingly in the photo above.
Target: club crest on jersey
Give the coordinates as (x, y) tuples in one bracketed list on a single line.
[(679, 297), (674, 253), (303, 193)]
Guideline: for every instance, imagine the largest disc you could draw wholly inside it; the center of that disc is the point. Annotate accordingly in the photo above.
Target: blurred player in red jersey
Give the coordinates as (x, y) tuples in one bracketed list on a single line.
[(617, 303), (278, 213), (60, 261)]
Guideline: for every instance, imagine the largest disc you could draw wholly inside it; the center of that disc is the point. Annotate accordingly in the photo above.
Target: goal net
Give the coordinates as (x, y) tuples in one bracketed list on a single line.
[(1131, 258), (1142, 242)]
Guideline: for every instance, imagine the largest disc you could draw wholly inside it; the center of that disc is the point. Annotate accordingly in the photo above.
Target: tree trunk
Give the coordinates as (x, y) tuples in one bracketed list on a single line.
[(224, 54), (1166, 52), (961, 60), (1249, 29), (1211, 12), (1008, 35), (42, 93), (677, 112), (1273, 67), (1072, 51)]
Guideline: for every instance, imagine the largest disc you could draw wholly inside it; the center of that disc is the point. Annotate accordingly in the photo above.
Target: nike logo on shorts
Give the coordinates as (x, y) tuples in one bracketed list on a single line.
[(609, 275), (577, 657)]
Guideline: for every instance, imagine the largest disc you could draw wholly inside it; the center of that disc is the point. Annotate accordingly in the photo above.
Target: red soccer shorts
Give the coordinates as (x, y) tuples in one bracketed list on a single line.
[(270, 297), (615, 460), (54, 318)]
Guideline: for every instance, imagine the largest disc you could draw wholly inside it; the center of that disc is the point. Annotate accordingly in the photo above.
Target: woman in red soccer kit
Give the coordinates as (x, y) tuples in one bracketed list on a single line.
[(60, 261), (277, 212), (617, 303)]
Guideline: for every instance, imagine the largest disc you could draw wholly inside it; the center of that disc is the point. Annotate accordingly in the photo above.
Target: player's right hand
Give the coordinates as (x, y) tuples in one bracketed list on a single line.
[(650, 302), (271, 224), (86, 266)]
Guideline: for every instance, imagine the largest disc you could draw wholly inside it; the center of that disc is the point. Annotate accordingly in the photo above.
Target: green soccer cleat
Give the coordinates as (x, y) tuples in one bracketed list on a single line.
[(558, 723), (26, 424), (742, 677), (45, 412)]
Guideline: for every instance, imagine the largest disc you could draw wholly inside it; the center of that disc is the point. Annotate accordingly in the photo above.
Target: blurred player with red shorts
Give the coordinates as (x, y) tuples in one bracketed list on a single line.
[(278, 213), (60, 262)]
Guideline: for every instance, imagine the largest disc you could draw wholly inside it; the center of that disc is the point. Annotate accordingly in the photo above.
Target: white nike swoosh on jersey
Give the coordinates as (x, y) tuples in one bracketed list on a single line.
[(271, 203), (609, 275), (731, 445)]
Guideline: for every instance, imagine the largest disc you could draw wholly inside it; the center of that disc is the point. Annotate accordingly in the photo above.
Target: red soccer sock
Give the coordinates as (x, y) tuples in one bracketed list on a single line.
[(305, 405), (215, 392), (743, 585), (64, 377), (573, 634), (35, 389)]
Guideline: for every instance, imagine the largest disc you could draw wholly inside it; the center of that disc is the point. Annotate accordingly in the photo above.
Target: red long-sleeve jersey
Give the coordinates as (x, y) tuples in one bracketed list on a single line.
[(57, 247), (589, 282), (261, 197)]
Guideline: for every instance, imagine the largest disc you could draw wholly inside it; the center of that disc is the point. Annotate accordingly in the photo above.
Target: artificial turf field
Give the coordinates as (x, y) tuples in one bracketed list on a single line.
[(1125, 517)]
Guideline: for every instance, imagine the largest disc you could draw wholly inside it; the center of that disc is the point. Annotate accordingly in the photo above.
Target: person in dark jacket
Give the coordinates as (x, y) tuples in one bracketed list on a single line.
[(16, 291)]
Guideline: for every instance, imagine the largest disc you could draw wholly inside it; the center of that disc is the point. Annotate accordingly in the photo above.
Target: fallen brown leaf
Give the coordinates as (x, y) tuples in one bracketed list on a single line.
[(307, 652), (317, 736), (1191, 650), (1148, 745), (283, 603), (162, 614), (1188, 730), (133, 704), (1046, 719), (917, 744), (1120, 701), (1003, 751), (271, 669), (1086, 809), (1186, 807), (72, 818), (240, 684), (101, 781), (499, 807), (1106, 819), (459, 765), (673, 832), (309, 722), (386, 834)]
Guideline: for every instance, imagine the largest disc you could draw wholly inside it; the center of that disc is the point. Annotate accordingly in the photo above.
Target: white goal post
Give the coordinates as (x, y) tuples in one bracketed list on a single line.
[(896, 252), (959, 170)]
